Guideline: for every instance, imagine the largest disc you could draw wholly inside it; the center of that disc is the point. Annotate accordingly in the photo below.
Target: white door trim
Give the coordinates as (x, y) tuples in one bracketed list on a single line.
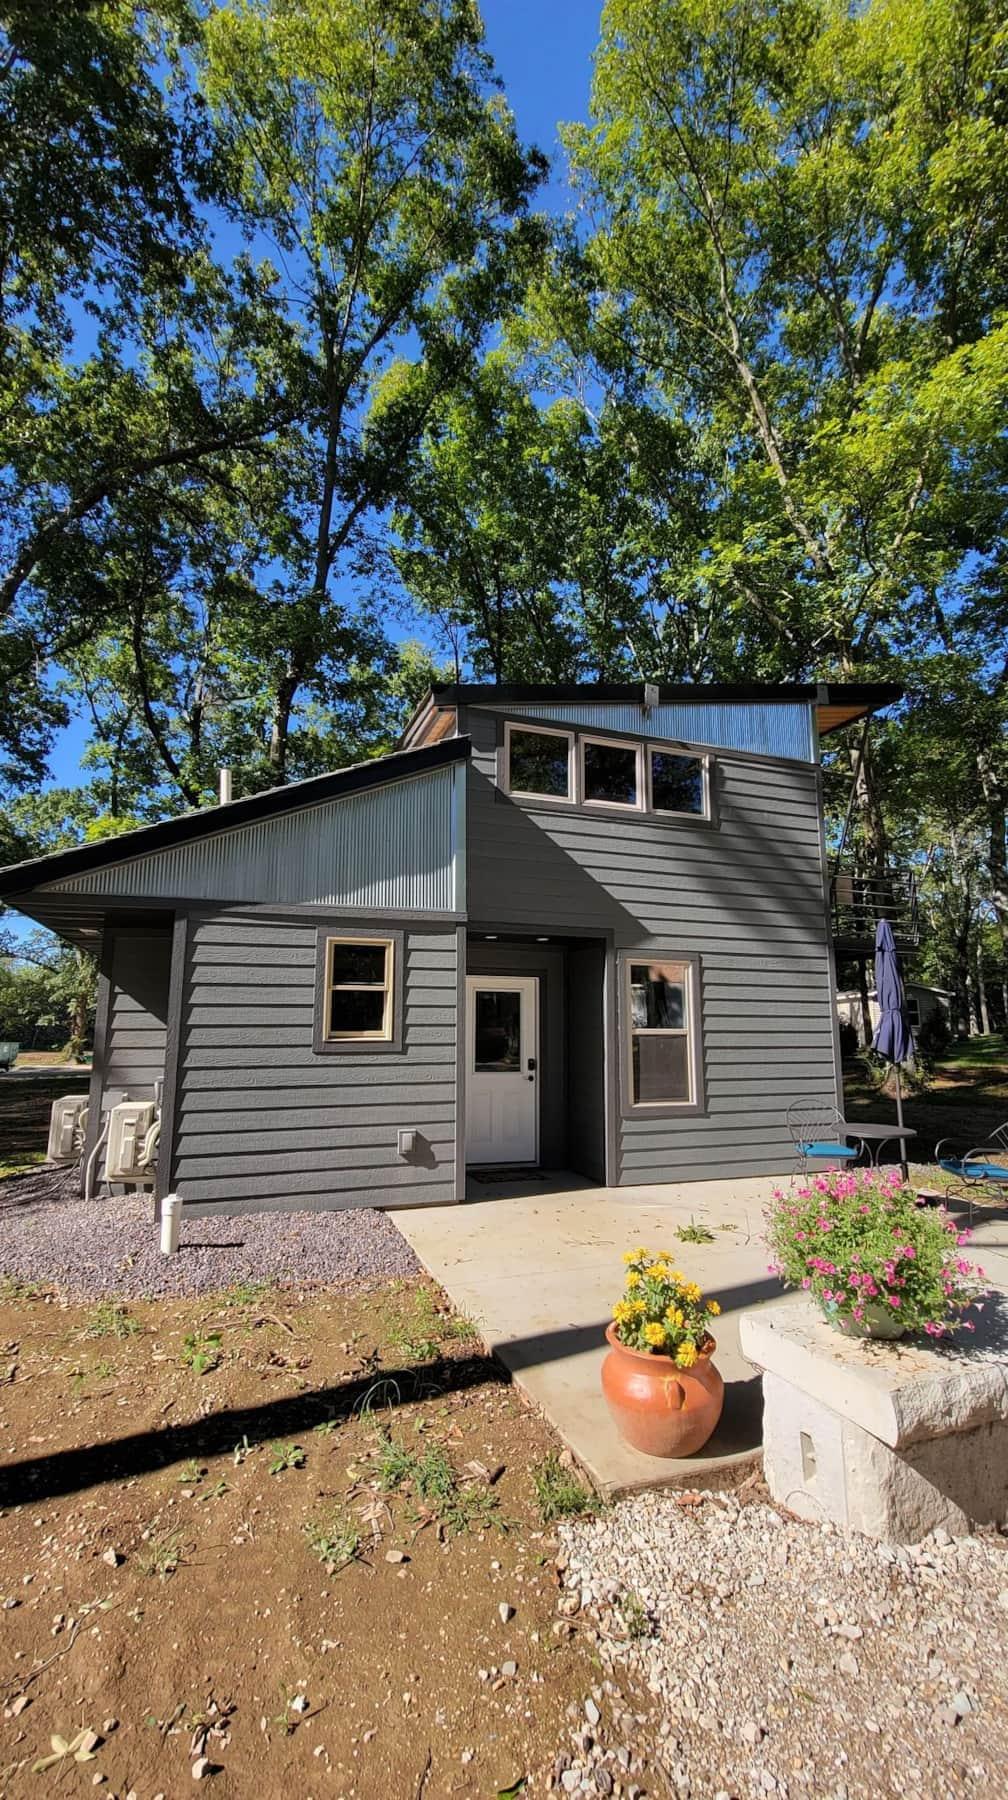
[(479, 1153)]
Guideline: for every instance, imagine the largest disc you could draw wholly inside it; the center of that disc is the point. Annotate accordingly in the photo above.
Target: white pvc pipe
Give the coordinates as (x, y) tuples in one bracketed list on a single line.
[(171, 1219)]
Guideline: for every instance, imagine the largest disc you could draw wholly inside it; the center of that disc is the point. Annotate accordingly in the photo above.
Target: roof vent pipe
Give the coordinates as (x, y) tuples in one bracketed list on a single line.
[(225, 787)]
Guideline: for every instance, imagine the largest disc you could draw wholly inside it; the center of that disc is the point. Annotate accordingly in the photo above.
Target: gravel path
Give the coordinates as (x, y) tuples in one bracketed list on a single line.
[(111, 1246), (786, 1658)]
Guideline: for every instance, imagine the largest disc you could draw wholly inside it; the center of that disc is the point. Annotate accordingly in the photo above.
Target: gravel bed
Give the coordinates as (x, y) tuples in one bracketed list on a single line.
[(784, 1658), (111, 1246)]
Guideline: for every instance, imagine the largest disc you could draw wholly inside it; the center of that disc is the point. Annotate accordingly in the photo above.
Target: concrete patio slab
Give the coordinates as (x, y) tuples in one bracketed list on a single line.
[(537, 1265)]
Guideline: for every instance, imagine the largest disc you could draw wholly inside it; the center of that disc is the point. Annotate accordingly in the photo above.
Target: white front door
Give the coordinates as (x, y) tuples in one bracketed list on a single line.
[(502, 1072)]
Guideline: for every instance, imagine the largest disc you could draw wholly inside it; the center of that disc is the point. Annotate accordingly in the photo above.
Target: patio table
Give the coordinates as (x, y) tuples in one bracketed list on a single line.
[(873, 1136)]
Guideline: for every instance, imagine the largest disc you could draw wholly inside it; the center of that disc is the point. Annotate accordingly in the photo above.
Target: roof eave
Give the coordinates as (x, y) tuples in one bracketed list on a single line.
[(25, 877)]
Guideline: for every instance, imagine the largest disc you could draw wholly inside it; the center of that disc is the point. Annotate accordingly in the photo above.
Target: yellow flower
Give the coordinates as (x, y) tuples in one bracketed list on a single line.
[(692, 1292), (654, 1334), (622, 1312), (713, 1306), (660, 1271), (676, 1316), (637, 1307), (686, 1354), (633, 1279), (678, 1276), (630, 1256)]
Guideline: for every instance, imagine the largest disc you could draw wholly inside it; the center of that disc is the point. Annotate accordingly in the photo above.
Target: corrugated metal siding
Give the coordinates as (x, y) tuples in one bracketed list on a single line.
[(778, 728), (264, 1123), (393, 847), (745, 894)]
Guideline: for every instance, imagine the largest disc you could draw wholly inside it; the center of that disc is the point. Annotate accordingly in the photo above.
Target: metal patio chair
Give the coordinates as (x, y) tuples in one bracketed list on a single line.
[(817, 1131), (980, 1175)]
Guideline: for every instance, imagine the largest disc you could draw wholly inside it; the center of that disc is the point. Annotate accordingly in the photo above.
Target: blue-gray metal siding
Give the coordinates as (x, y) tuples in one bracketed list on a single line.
[(264, 1123), (767, 728), (745, 894), (395, 847)]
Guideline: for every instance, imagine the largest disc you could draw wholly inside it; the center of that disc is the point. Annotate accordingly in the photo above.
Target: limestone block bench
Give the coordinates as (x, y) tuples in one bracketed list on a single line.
[(889, 1439)]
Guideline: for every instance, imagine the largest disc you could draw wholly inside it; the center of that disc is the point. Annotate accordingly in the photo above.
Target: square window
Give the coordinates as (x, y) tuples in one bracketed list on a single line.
[(611, 773), (678, 783), (538, 762)]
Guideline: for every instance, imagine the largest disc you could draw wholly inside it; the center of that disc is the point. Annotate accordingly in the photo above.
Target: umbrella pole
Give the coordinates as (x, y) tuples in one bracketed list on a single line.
[(904, 1170)]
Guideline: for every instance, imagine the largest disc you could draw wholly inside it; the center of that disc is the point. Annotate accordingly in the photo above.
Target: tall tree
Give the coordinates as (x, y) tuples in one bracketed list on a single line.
[(361, 144)]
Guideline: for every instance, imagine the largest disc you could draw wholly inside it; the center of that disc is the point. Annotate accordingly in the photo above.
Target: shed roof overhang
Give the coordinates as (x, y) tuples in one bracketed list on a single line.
[(79, 917), (835, 704)]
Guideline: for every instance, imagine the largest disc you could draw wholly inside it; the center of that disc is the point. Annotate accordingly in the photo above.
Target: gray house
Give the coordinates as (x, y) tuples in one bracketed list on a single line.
[(575, 928)]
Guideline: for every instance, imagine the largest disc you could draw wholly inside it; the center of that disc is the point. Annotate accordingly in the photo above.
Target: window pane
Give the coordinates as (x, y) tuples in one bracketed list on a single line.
[(660, 1069), (356, 963), (356, 1010), (677, 783), (658, 996), (610, 773), (498, 1032), (538, 764)]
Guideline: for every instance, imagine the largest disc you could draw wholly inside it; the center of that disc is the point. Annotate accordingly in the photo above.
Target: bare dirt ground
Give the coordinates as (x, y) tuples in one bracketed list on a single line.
[(294, 1534)]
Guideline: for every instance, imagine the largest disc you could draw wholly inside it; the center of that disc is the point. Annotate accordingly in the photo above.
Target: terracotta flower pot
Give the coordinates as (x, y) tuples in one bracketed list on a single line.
[(658, 1408)]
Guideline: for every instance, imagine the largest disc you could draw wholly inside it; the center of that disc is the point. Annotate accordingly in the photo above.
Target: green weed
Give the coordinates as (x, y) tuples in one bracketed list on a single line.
[(201, 1352), (437, 1492), (248, 1293), (110, 1319), (694, 1233), (13, 1289), (559, 1494), (636, 1618), (161, 1556), (189, 1472), (335, 1539), (285, 1456)]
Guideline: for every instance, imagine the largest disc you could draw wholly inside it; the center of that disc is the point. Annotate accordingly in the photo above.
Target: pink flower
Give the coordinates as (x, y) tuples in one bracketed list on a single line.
[(893, 1299)]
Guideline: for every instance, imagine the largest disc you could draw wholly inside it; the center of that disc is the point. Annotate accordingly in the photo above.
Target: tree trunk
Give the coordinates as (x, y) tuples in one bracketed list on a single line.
[(997, 853), (79, 1013), (981, 989), (867, 1029)]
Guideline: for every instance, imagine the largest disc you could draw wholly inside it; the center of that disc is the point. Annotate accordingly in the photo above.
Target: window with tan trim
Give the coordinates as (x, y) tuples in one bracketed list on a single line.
[(358, 990), (538, 763), (661, 1032)]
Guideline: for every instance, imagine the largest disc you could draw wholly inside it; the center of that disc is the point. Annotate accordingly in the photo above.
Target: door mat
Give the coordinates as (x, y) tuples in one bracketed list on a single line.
[(506, 1172)]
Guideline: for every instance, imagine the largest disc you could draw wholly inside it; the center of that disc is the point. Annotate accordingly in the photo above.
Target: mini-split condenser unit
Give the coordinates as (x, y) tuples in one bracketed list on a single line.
[(131, 1152), (66, 1128)]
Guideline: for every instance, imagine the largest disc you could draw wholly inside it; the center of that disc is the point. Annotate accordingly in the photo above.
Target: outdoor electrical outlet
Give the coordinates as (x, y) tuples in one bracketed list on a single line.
[(407, 1143)]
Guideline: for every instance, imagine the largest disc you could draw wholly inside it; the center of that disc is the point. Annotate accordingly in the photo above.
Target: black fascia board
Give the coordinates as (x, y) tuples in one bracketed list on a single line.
[(823, 693), (20, 878)]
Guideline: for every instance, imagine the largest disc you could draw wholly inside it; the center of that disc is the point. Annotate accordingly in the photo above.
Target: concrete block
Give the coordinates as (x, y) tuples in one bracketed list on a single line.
[(877, 1438), (900, 1392)]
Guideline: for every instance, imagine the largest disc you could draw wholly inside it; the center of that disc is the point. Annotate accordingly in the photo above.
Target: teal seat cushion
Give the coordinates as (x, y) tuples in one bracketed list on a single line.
[(827, 1150), (974, 1171)]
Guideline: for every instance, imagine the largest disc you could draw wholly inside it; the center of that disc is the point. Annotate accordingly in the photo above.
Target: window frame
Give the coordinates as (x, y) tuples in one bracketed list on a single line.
[(654, 745), (535, 730), (637, 745), (327, 1043), (662, 1109)]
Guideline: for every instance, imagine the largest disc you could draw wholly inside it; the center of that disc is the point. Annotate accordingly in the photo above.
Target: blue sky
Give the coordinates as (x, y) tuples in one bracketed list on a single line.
[(543, 50)]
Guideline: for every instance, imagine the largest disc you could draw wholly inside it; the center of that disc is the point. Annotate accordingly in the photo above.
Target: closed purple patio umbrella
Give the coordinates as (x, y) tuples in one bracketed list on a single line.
[(893, 1038)]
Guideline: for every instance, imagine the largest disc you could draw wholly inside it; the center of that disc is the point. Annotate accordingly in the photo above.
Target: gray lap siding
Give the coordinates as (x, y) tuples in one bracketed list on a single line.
[(262, 1120), (745, 894)]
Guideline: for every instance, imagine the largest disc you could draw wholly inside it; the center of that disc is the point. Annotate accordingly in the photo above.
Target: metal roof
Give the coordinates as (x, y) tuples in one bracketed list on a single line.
[(86, 859)]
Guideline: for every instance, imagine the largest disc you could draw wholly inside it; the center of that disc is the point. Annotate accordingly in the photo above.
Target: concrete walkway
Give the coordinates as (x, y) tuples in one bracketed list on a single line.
[(537, 1266)]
